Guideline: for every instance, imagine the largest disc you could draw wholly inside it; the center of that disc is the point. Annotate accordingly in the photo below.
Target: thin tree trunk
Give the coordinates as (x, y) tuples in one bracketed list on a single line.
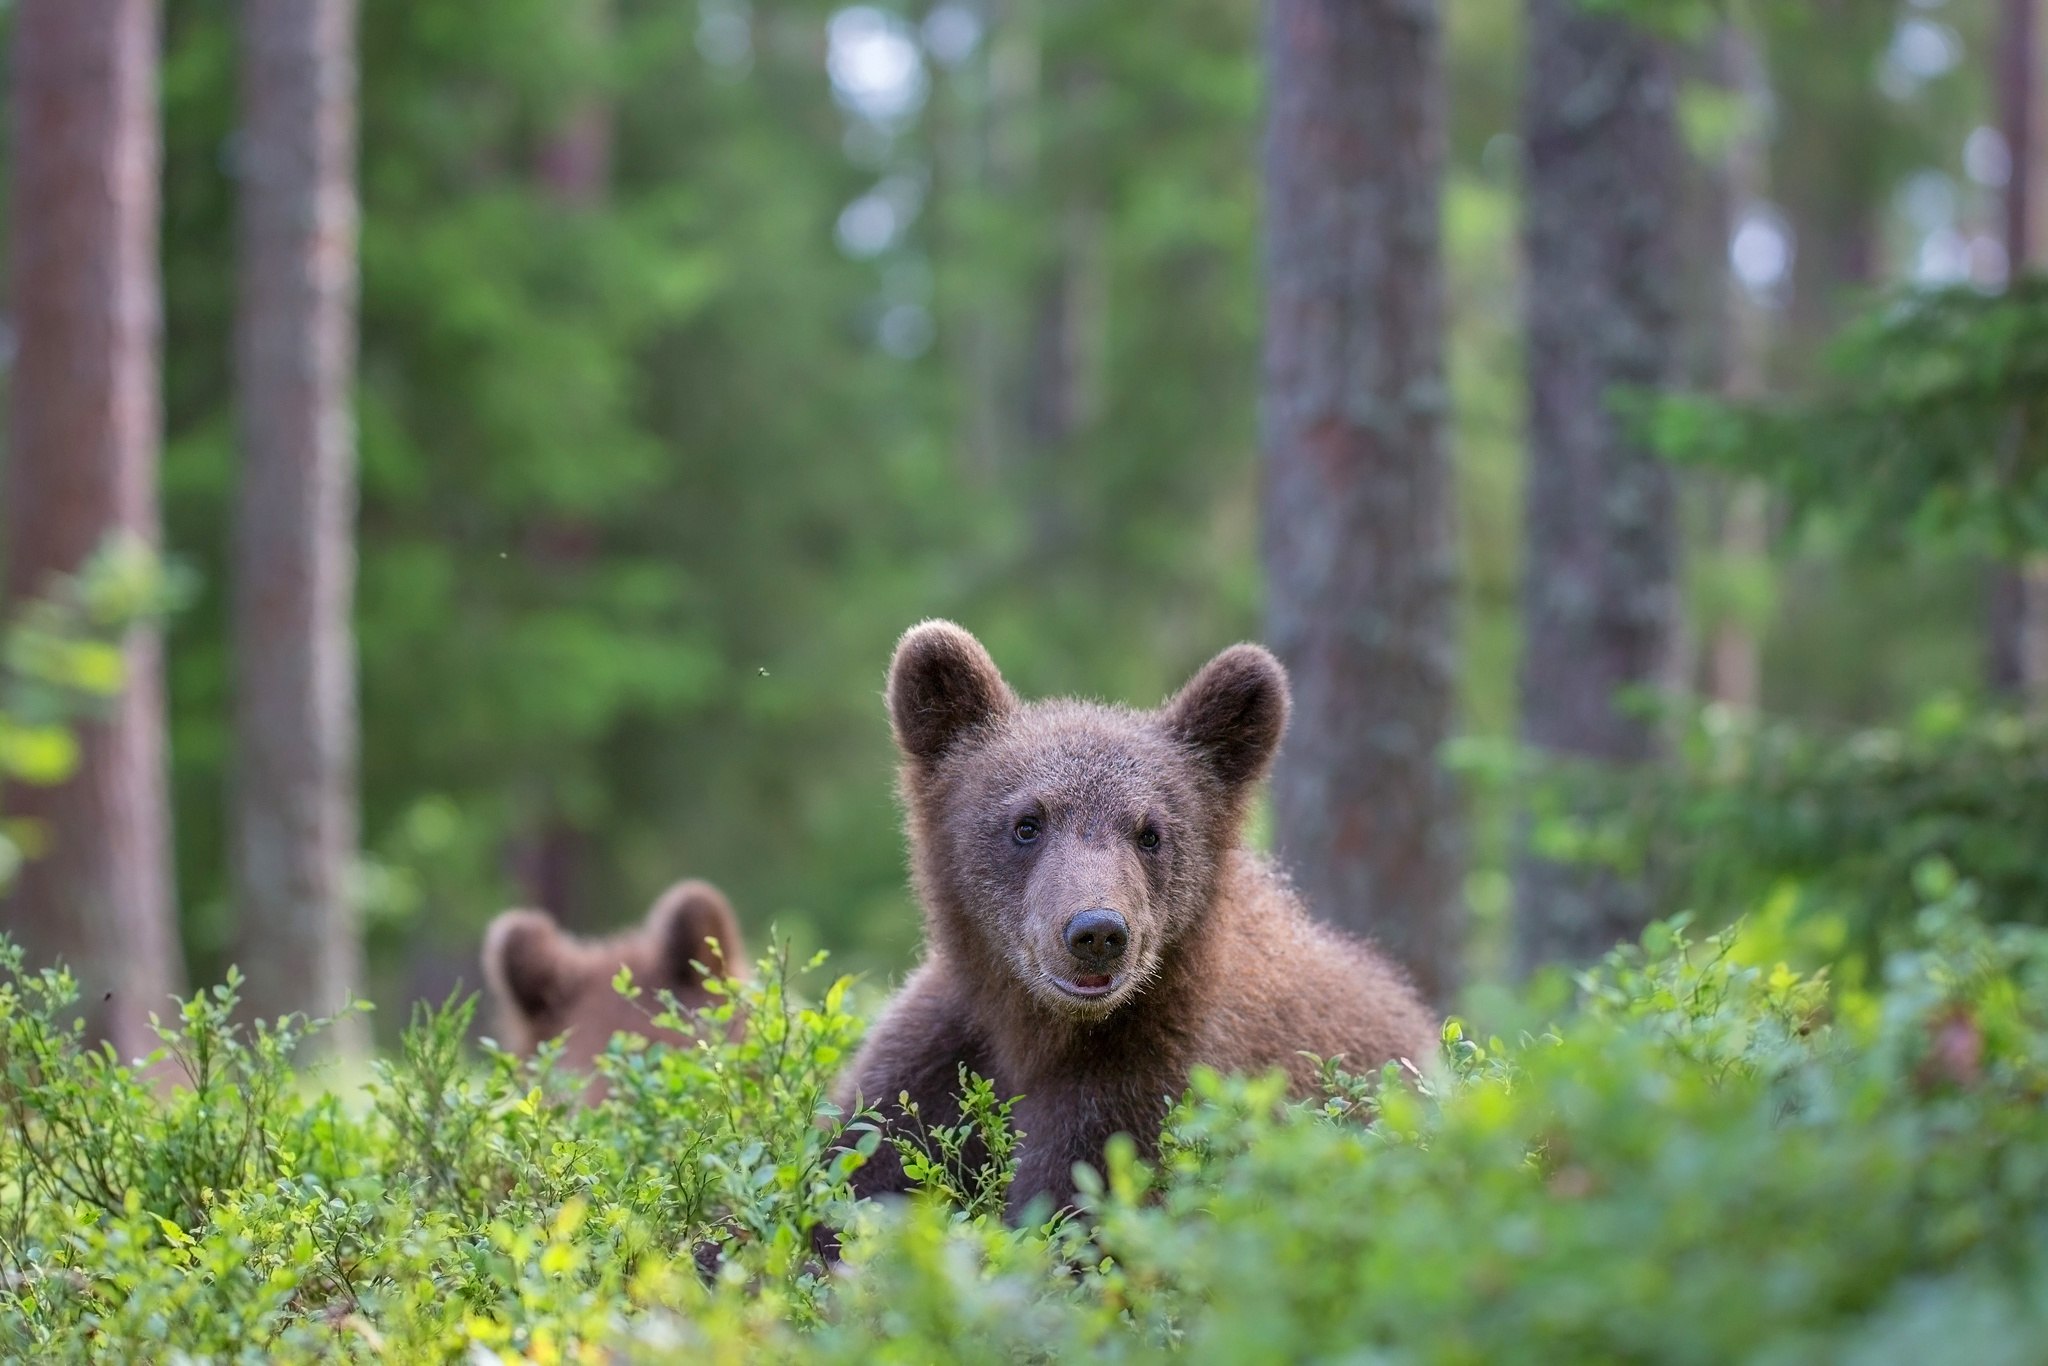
[(295, 800), (1832, 172), (1599, 607), (2018, 664), (1062, 373), (574, 162), (1734, 663), (84, 429), (573, 167), (1358, 545)]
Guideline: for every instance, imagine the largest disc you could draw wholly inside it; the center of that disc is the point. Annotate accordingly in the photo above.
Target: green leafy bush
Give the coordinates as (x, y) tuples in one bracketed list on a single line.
[(1710, 1158), (1930, 423), (1847, 833)]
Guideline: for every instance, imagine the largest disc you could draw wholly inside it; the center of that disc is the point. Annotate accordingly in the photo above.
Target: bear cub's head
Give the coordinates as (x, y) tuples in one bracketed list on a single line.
[(548, 982), (1068, 844)]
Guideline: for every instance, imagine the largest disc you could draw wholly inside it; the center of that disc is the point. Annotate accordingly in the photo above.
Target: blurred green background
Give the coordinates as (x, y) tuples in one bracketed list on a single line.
[(707, 345)]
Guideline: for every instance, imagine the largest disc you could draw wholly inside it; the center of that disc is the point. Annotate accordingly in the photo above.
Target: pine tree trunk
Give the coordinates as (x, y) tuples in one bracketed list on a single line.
[(573, 169), (1599, 607), (84, 428), (1358, 545), (1734, 662), (295, 799), (2018, 665)]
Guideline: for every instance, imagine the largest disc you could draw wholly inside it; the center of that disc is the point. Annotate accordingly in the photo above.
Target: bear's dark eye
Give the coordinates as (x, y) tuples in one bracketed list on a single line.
[(1025, 831), (1148, 838)]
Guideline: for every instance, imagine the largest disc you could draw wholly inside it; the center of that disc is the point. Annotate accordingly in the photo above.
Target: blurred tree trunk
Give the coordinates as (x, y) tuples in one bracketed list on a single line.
[(574, 163), (1734, 657), (1062, 373), (1599, 610), (573, 166), (1358, 547), (295, 800), (84, 429), (2019, 594), (1832, 157)]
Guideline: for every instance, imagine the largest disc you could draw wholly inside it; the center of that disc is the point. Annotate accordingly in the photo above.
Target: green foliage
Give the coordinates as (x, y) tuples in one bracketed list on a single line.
[(1677, 19), (1932, 422), (647, 492), (968, 1165), (62, 660), (1865, 1175), (210, 1199), (1851, 832)]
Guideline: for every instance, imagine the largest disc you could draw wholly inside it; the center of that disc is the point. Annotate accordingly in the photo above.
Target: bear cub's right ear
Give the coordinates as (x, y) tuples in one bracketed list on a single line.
[(692, 922), (524, 955), (942, 684), (1233, 711)]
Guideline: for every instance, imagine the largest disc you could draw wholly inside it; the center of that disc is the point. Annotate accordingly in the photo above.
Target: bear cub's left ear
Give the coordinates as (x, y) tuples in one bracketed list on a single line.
[(1233, 712), (525, 961)]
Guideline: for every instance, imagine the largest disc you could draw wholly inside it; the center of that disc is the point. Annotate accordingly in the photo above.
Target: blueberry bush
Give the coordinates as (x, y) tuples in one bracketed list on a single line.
[(1706, 1157)]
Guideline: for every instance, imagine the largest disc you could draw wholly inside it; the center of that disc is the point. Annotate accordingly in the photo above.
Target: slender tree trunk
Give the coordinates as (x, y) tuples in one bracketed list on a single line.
[(1358, 545), (84, 426), (573, 167), (574, 163), (994, 157), (1734, 662), (295, 799), (1062, 372), (2019, 593), (1599, 607), (1832, 170)]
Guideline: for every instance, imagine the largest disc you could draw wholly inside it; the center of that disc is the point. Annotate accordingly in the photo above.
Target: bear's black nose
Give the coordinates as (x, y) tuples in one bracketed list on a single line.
[(1096, 938)]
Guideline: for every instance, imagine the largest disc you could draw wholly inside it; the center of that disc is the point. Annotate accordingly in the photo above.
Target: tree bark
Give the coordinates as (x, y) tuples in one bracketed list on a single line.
[(1734, 662), (2018, 664), (1358, 546), (573, 169), (1599, 606), (295, 797), (84, 429)]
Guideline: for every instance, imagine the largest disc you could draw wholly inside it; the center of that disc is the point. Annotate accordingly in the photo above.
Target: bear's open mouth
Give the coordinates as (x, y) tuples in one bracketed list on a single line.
[(1087, 988)]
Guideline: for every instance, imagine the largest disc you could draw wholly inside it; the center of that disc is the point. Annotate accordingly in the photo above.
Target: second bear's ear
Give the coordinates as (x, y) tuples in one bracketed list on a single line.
[(682, 923), (1234, 712), (525, 961), (941, 685)]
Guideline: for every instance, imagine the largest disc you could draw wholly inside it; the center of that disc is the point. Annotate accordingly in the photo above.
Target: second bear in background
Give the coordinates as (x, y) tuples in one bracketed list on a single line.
[(547, 982)]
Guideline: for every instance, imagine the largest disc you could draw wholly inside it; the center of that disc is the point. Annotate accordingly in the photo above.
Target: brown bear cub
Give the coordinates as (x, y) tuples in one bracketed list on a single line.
[(1094, 925), (548, 982)]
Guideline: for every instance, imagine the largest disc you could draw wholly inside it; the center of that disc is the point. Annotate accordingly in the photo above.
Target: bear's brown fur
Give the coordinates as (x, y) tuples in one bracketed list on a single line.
[(1021, 816), (548, 982)]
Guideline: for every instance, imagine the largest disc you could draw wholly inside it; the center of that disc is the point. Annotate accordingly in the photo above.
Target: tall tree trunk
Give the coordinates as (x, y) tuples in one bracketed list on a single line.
[(1599, 607), (84, 427), (573, 167), (1832, 171), (295, 799), (1734, 655), (1062, 372), (574, 161), (1358, 545), (2019, 594)]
